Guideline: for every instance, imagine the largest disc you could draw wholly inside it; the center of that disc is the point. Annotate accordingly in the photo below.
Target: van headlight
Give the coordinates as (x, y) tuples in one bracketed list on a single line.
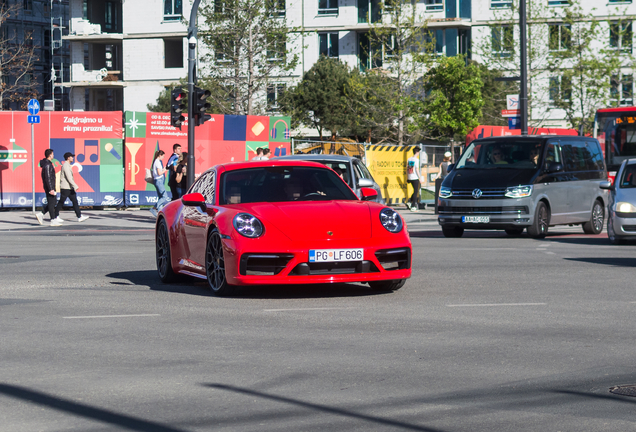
[(518, 191), (625, 207), (391, 220), (248, 225), (445, 192)]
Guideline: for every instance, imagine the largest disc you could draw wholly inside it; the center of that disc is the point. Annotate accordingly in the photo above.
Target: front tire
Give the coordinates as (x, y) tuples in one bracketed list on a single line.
[(163, 255), (539, 228), (387, 286), (597, 218), (215, 265), (452, 232)]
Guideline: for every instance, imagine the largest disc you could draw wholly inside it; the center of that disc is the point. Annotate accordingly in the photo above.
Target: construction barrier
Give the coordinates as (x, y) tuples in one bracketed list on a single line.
[(387, 164)]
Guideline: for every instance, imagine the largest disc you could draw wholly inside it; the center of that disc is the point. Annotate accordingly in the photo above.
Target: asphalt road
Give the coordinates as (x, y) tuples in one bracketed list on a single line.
[(491, 333)]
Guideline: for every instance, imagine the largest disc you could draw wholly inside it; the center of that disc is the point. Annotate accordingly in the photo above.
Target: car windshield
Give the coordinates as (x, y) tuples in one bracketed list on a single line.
[(283, 183), (628, 179), (501, 154)]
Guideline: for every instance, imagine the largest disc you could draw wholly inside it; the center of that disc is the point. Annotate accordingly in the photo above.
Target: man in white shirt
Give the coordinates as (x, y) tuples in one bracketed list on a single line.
[(413, 176)]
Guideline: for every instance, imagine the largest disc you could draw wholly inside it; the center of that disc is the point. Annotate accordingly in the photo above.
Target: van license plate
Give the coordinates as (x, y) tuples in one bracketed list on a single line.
[(476, 219)]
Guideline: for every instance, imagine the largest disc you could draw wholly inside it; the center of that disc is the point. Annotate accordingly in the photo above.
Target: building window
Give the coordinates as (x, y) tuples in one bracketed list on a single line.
[(558, 2), (369, 11), (500, 4), (560, 37), (620, 1), (220, 7), (173, 53), (276, 8), (328, 44), (621, 36), (224, 51), (560, 89), (502, 40), (27, 5), (434, 42), (369, 53), (327, 7), (276, 49), (172, 10), (274, 95), (622, 90), (434, 5)]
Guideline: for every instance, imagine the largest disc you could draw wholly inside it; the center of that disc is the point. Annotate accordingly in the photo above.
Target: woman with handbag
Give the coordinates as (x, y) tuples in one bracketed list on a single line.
[(159, 181)]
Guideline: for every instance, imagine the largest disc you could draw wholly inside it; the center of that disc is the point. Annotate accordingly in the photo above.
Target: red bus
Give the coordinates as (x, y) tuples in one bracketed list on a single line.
[(615, 129)]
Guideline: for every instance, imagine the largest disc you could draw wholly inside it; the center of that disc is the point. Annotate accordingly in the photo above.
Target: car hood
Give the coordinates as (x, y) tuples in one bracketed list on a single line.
[(489, 178), (315, 220)]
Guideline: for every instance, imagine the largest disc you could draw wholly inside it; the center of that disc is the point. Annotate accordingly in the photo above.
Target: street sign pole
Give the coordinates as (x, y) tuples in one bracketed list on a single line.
[(523, 83), (33, 170), (192, 45)]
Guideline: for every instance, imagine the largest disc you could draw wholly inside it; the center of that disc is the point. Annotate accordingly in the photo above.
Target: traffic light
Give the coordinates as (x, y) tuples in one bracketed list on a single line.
[(200, 106), (176, 107)]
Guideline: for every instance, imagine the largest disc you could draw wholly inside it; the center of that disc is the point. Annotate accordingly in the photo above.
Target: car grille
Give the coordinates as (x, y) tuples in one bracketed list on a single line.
[(333, 268), (483, 210), (485, 193), (394, 259), (629, 228), (263, 264)]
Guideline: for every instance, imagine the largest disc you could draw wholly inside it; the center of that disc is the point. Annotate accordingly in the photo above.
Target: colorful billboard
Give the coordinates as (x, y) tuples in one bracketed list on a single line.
[(222, 139), (94, 137)]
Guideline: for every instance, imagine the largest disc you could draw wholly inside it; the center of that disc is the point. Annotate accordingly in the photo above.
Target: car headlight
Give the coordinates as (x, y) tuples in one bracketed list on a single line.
[(445, 192), (625, 207), (518, 191), (391, 220), (248, 225)]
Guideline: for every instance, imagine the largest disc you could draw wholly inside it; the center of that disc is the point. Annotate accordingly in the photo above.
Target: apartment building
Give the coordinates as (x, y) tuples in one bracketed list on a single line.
[(38, 24), (123, 53)]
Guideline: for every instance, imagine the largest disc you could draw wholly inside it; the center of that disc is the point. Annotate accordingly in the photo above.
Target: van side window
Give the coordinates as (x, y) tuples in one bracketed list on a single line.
[(553, 154), (596, 162), (577, 156)]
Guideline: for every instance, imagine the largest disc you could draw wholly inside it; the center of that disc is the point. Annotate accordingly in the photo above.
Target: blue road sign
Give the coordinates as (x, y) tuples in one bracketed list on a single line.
[(34, 108), (33, 119)]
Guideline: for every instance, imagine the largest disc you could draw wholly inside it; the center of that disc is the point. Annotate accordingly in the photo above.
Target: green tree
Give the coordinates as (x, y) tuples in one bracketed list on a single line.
[(495, 93), (247, 45), (162, 104), (454, 101), (319, 100)]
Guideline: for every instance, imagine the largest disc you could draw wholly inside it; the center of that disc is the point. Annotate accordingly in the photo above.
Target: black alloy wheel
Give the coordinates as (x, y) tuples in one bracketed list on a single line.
[(539, 228), (597, 219), (164, 259), (387, 286), (215, 265)]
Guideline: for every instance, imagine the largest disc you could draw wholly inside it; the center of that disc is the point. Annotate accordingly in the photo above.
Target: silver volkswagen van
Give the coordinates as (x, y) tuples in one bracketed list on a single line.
[(514, 183)]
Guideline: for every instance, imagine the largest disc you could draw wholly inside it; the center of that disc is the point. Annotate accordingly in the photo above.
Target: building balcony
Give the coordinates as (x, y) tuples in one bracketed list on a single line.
[(93, 78)]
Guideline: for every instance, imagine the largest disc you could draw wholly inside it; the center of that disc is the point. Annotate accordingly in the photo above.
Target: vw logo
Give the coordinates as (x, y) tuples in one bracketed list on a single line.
[(477, 193)]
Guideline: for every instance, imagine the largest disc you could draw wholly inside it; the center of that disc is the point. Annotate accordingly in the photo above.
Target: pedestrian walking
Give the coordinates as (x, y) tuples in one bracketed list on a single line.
[(181, 176), (259, 154), (48, 183), (159, 180), (68, 189), (414, 177), (443, 172), (171, 166)]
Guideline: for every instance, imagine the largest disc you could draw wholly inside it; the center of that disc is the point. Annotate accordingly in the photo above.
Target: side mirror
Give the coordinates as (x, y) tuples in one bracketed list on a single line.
[(450, 167), (366, 183), (368, 194), (194, 200), (554, 167), (606, 185)]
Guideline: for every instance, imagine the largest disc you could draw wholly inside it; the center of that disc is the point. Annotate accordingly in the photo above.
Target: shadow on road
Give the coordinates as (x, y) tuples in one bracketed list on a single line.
[(192, 286), (375, 421), (83, 410), (616, 262)]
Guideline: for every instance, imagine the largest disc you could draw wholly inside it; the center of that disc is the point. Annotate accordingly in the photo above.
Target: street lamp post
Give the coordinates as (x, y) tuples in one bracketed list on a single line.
[(192, 62), (523, 76)]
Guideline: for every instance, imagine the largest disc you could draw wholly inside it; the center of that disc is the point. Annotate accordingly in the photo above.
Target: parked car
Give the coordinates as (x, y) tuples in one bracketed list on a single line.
[(621, 220), (280, 222), (517, 183), (354, 172)]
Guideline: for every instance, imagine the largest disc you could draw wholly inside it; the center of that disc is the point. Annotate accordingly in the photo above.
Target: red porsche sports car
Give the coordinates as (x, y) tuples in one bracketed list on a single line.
[(280, 222)]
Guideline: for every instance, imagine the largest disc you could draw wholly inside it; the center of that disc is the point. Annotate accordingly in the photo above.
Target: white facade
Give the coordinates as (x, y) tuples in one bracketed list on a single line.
[(150, 51)]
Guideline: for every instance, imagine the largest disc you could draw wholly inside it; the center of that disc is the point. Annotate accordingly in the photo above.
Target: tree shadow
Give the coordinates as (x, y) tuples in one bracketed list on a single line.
[(84, 410), (615, 262)]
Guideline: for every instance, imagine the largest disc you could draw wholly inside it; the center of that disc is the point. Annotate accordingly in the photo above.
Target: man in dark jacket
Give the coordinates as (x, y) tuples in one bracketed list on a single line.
[(48, 183)]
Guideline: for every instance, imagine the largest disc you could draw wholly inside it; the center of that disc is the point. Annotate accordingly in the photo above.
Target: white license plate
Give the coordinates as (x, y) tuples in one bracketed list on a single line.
[(476, 219), (335, 255)]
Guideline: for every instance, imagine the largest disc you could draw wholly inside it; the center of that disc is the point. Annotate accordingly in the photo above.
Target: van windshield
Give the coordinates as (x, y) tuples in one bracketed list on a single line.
[(516, 154)]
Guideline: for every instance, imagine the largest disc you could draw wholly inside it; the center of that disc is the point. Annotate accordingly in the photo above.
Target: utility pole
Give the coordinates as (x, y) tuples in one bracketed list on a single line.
[(192, 64), (523, 73)]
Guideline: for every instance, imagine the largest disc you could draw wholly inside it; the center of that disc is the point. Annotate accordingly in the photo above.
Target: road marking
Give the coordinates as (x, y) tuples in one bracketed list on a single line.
[(306, 309), (550, 253), (497, 304), (110, 316)]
